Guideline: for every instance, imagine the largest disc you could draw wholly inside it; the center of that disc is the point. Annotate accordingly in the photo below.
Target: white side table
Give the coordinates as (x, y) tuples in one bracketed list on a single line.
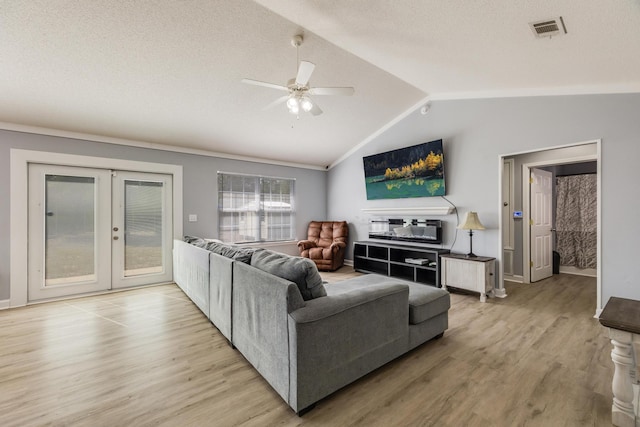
[(475, 274)]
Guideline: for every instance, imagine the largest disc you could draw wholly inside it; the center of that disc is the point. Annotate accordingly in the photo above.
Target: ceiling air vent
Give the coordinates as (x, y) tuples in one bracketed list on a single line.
[(548, 27)]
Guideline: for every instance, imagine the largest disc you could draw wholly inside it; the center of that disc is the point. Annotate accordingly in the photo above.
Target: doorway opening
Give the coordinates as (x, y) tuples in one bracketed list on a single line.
[(528, 216)]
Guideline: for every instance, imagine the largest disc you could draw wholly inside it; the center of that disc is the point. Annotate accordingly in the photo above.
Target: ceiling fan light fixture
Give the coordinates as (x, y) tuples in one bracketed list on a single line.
[(298, 88), (292, 102), (295, 109), (306, 104)]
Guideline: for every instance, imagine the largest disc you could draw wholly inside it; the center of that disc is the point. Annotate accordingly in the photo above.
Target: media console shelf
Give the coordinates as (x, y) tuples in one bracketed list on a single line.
[(405, 261)]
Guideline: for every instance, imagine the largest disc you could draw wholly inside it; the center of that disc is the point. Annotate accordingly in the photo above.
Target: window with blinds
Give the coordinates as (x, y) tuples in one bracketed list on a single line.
[(255, 208)]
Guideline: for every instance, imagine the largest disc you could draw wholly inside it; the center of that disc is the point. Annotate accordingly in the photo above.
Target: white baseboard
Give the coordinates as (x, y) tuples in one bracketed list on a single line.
[(513, 278), (500, 293), (348, 262), (4, 304), (589, 272)]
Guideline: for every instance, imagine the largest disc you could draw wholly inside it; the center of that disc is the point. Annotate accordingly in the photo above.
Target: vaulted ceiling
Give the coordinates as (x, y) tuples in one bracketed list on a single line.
[(169, 72)]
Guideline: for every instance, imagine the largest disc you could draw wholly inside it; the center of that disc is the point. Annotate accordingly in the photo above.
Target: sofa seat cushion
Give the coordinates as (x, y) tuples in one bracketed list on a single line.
[(425, 301), (302, 271)]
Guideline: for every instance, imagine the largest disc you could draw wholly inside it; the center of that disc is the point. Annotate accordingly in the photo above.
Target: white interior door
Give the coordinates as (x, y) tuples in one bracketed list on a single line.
[(69, 231), (540, 208), (142, 229)]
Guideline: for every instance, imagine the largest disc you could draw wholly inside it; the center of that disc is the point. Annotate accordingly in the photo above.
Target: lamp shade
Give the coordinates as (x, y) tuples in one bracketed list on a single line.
[(471, 222)]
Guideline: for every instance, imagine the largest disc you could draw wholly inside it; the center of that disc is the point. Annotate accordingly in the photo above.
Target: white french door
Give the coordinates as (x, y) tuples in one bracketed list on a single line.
[(93, 230), (141, 229)]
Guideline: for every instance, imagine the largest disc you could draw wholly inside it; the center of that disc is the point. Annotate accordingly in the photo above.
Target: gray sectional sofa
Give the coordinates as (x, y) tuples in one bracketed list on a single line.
[(306, 339)]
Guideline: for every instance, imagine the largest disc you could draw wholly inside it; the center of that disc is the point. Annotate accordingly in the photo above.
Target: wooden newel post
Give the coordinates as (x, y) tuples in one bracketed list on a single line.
[(622, 410), (622, 317)]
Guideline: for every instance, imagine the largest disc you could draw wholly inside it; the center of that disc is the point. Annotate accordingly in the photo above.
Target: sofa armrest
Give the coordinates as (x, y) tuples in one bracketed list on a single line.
[(261, 303), (191, 273), (306, 244), (337, 339)]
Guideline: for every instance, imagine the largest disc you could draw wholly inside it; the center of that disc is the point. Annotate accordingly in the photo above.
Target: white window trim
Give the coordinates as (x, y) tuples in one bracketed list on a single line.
[(261, 242), (19, 166)]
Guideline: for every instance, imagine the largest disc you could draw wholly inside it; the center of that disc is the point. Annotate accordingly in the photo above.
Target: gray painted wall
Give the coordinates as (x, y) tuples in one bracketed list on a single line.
[(199, 175), (477, 132)]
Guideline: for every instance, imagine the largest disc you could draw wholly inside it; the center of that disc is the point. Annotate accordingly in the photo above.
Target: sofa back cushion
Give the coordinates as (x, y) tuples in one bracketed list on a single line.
[(302, 271), (233, 252), (218, 247)]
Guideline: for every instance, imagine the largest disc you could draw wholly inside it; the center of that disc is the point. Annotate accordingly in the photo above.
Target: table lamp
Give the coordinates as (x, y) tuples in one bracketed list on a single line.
[(471, 222)]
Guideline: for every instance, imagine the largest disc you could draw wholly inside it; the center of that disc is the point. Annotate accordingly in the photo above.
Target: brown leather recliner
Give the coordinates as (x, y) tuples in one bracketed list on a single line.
[(326, 243)]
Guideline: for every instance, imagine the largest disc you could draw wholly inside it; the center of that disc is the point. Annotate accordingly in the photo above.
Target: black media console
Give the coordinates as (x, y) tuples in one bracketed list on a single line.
[(404, 261)]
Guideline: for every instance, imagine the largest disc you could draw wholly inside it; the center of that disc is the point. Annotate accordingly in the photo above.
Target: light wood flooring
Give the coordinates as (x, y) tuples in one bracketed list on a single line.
[(149, 357)]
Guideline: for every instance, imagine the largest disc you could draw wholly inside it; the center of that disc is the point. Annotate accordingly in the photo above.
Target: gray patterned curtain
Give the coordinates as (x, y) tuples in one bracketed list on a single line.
[(576, 220)]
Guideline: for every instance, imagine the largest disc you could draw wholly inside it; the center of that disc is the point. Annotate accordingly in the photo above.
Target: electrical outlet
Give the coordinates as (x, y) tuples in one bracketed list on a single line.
[(193, 218)]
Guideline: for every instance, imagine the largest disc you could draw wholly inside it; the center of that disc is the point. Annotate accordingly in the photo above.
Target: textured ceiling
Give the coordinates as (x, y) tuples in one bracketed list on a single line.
[(168, 72)]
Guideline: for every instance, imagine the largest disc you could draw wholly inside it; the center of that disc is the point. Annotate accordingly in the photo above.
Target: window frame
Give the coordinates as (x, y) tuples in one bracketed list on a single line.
[(258, 217)]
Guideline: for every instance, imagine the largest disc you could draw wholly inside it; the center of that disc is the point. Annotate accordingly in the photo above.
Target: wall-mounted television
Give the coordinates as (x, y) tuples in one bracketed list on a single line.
[(416, 171)]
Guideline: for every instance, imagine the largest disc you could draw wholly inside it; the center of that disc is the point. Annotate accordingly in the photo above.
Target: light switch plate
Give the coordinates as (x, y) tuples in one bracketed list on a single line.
[(193, 218)]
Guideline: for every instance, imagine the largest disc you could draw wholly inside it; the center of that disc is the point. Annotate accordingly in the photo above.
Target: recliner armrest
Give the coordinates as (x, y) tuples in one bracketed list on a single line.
[(336, 246), (306, 244)]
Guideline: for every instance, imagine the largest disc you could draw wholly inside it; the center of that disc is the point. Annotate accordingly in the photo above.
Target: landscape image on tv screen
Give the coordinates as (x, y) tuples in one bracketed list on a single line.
[(416, 171)]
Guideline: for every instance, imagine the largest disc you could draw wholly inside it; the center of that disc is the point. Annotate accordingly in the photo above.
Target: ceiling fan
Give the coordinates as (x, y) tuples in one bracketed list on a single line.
[(299, 92)]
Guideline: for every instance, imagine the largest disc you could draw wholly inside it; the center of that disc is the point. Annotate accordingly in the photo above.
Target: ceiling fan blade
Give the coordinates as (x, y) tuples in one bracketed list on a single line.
[(304, 72), (315, 110), (265, 84), (344, 91), (278, 101)]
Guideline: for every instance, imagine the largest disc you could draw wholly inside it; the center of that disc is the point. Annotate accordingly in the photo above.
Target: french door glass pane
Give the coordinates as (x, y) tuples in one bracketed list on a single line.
[(143, 227), (69, 229)]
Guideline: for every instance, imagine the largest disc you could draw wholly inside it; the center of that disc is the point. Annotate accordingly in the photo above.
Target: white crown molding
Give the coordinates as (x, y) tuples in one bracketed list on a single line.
[(515, 93), (380, 131), (140, 144), (614, 89)]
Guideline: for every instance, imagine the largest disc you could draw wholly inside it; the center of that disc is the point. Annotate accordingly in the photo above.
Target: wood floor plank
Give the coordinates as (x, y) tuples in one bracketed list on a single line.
[(149, 357)]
